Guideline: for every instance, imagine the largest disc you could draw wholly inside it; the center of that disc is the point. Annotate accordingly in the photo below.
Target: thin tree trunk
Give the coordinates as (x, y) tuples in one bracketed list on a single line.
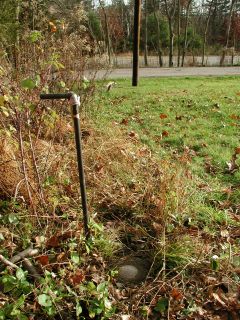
[(158, 38), (179, 33), (107, 35), (233, 48), (227, 33), (145, 36), (171, 40), (205, 33), (185, 32), (170, 16)]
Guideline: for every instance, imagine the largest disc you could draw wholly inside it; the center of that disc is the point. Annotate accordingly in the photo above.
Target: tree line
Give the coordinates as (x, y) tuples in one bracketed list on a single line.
[(168, 27)]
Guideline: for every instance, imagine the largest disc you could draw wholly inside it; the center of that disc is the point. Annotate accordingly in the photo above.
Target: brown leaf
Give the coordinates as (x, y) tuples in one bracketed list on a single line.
[(43, 260), (234, 117), (124, 122), (53, 242), (62, 257), (163, 116), (66, 235), (77, 278), (237, 150), (133, 135), (99, 168), (209, 167), (165, 133), (176, 294), (86, 134), (157, 228)]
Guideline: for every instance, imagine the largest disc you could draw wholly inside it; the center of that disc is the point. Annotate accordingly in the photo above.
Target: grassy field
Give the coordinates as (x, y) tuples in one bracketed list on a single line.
[(195, 116)]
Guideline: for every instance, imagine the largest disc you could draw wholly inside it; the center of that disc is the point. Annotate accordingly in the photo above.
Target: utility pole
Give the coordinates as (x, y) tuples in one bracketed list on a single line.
[(136, 41)]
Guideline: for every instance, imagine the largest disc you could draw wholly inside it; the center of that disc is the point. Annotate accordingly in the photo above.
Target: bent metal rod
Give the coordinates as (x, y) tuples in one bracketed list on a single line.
[(75, 105)]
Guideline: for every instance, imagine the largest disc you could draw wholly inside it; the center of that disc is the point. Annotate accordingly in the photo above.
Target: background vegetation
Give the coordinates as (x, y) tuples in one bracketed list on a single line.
[(182, 27)]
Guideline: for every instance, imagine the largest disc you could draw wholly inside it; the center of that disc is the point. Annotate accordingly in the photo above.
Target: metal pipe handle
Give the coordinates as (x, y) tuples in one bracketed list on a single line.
[(53, 96)]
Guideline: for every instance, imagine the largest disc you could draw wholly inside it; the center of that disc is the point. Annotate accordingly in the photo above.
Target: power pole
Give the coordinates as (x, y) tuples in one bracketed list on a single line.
[(136, 41)]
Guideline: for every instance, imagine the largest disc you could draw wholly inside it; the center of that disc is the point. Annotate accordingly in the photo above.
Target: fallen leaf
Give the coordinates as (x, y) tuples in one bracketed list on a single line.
[(133, 134), (53, 242), (99, 168), (124, 122), (77, 278), (43, 260), (237, 150), (66, 235), (209, 167), (163, 116), (53, 28), (165, 133), (176, 294), (234, 117), (157, 228), (86, 133), (62, 257)]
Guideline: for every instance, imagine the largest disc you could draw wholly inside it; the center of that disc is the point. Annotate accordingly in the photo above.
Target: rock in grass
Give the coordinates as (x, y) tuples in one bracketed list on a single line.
[(133, 270)]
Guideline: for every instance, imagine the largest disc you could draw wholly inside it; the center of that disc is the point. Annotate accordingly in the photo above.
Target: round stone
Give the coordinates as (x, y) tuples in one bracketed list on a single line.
[(133, 270)]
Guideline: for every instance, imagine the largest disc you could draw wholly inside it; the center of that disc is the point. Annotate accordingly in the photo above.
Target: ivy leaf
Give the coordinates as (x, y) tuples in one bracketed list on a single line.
[(78, 309), (45, 300), (101, 287), (20, 274), (161, 305), (75, 257), (28, 84)]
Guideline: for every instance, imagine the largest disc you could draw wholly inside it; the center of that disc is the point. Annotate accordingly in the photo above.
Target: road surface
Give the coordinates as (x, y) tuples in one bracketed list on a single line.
[(169, 72)]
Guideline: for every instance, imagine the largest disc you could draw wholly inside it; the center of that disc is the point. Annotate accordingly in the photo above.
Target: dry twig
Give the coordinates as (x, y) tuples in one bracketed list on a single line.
[(7, 262)]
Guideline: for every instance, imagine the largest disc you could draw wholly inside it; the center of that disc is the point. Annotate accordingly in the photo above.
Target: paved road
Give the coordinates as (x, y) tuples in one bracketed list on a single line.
[(170, 72)]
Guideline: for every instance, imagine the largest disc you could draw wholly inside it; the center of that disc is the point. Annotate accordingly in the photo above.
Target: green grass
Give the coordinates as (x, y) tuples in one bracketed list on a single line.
[(201, 123), (201, 114)]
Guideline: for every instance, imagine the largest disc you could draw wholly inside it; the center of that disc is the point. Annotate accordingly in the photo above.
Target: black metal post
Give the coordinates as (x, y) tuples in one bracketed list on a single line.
[(75, 103), (136, 41), (77, 131)]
